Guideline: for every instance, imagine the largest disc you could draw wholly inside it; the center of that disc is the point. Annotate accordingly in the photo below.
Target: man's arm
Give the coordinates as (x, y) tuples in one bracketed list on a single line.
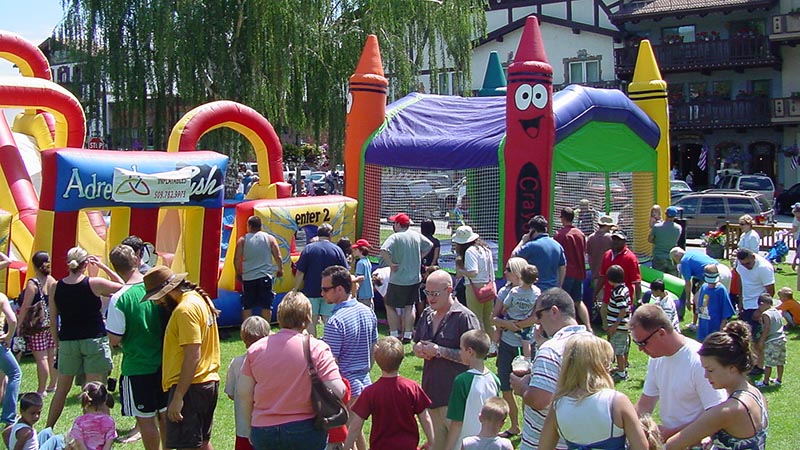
[(770, 289), (637, 292), (427, 427), (646, 405), (562, 273), (453, 432), (298, 281), (191, 358), (525, 238), (387, 258), (238, 257), (276, 255)]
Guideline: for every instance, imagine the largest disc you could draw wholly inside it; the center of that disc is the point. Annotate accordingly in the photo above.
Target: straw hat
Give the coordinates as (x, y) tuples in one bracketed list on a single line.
[(160, 280)]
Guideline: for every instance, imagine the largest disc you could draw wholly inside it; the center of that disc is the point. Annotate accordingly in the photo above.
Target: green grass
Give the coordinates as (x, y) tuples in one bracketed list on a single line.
[(783, 434)]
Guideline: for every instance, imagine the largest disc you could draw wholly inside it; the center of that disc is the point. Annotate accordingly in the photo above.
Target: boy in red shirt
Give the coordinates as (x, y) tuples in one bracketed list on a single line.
[(392, 401)]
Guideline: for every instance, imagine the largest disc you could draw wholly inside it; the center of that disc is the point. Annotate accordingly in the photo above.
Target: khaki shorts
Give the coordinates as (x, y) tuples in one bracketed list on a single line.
[(621, 341), (775, 354), (90, 356)]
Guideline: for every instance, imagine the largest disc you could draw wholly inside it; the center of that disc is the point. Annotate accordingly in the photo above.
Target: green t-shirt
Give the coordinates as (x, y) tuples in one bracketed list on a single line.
[(665, 235), (139, 324)]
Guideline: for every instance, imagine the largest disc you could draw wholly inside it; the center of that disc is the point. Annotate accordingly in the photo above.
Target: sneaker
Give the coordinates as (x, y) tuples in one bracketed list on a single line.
[(775, 381), (620, 376), (691, 327), (761, 384)]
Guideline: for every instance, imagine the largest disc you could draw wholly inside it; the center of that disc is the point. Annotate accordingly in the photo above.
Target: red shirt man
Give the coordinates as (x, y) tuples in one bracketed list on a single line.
[(622, 256)]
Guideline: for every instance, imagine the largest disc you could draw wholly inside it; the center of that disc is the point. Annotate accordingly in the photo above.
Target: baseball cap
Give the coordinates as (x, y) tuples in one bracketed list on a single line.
[(672, 211), (619, 234), (401, 218), (362, 243)]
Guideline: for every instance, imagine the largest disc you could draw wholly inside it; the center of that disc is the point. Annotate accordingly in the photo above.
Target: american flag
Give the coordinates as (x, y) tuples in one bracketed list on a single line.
[(794, 162), (701, 163)]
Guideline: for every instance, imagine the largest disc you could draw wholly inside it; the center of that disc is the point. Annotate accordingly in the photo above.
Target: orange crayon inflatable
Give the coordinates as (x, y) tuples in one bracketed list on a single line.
[(366, 108), (530, 136)]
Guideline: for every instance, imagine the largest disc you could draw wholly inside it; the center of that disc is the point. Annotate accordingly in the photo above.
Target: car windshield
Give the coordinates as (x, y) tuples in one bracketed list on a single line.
[(677, 185), (318, 176), (755, 184)]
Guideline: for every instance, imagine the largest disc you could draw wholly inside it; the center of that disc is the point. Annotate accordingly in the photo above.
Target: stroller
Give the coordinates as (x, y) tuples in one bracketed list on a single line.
[(779, 250)]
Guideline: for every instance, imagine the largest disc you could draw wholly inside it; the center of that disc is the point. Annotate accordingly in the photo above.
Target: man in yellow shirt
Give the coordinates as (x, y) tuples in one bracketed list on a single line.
[(191, 358)]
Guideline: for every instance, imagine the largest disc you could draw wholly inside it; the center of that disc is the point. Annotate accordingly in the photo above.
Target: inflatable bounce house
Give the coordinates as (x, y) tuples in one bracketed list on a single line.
[(55, 194), (516, 153)]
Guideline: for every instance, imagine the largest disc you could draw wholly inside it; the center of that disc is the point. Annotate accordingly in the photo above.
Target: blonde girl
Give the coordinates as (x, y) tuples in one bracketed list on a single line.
[(587, 410), (655, 215)]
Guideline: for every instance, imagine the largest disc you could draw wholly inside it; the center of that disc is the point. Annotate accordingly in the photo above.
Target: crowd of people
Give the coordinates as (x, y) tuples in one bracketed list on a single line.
[(537, 324)]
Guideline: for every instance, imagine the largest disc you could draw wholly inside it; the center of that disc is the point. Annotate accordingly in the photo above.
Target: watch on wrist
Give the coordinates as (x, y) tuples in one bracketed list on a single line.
[(438, 352)]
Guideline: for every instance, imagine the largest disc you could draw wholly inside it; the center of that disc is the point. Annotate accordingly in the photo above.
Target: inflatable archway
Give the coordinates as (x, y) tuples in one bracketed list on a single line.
[(78, 179), (247, 121)]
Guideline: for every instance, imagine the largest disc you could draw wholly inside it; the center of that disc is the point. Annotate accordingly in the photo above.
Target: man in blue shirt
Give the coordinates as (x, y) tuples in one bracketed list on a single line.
[(543, 252), (351, 332), (691, 266)]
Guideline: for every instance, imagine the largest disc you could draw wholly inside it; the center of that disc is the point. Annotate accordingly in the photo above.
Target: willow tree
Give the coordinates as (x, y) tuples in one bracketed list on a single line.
[(288, 59)]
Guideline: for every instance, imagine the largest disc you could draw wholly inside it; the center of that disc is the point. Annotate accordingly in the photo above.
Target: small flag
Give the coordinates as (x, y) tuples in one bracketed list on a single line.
[(701, 163), (794, 162)]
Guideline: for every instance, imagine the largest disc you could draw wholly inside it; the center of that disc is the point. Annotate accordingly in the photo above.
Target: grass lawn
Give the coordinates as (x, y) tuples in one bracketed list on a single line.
[(781, 403)]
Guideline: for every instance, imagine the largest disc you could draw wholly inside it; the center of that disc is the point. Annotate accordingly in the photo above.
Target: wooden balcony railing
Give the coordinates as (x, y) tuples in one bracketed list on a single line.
[(719, 113), (703, 55)]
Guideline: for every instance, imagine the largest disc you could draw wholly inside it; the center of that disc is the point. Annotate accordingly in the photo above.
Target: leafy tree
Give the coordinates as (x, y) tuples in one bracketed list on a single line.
[(288, 59)]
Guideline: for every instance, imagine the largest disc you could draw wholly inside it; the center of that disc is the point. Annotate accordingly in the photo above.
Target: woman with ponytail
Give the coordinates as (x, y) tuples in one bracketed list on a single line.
[(81, 339), (741, 421)]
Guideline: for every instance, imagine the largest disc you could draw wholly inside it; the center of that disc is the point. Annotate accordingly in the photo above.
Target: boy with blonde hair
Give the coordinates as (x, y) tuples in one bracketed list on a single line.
[(471, 389), (492, 417), (789, 307), (392, 401), (253, 329)]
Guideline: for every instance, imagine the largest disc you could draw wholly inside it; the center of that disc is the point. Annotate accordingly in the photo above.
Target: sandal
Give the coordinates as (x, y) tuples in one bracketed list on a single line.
[(507, 434)]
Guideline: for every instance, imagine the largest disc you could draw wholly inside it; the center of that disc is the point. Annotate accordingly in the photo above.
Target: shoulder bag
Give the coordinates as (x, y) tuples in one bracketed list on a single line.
[(330, 410), (35, 320)]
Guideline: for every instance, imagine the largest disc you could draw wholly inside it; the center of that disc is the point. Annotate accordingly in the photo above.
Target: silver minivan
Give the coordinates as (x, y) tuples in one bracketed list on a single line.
[(709, 209), (757, 182)]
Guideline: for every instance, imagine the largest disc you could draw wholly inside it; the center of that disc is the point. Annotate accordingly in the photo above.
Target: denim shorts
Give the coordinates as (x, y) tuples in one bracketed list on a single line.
[(300, 435)]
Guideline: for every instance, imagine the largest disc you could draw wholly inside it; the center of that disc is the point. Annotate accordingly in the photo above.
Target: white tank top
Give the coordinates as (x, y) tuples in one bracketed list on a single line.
[(589, 420)]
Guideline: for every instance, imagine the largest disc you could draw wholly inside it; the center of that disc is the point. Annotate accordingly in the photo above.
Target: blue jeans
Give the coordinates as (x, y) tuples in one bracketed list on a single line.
[(9, 366), (299, 435)]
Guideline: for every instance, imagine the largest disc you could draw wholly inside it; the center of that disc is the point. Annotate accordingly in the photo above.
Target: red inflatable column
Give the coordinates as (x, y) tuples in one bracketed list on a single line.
[(530, 136)]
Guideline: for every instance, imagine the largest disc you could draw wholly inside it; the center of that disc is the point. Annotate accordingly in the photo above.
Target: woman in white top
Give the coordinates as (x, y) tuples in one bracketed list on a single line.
[(749, 237), (477, 267), (587, 412)]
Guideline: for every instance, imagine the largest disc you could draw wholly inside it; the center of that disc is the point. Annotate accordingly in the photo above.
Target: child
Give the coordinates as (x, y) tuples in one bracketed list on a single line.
[(392, 401), (253, 329), (363, 271), (651, 432), (667, 301), (789, 306), (519, 304), (22, 433), (492, 416), (714, 306), (476, 385), (655, 215), (619, 309), (772, 343), (95, 429)]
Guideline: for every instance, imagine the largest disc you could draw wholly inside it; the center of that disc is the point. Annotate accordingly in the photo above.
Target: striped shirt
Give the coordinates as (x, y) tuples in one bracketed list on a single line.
[(545, 371), (351, 331), (619, 302)]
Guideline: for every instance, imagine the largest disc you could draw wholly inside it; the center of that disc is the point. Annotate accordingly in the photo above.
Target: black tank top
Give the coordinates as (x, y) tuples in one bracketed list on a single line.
[(79, 310)]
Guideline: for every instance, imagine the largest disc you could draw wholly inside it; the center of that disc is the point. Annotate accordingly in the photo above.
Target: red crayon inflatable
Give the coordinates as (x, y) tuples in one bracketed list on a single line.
[(530, 136)]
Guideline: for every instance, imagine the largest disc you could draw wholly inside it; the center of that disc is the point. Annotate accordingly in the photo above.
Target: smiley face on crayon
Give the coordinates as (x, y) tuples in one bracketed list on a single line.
[(525, 96)]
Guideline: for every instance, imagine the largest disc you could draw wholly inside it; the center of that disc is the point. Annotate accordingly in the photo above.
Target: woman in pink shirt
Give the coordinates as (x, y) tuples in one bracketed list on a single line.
[(275, 387)]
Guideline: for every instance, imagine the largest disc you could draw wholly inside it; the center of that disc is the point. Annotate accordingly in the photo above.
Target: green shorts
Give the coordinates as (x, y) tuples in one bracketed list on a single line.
[(319, 307), (91, 356)]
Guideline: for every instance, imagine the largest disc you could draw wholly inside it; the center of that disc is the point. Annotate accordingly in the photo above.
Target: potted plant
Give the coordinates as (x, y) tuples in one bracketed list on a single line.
[(714, 242)]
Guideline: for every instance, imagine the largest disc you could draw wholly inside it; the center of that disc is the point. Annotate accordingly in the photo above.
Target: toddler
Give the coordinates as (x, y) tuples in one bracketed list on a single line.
[(253, 329), (492, 416), (714, 306), (95, 429), (789, 307), (363, 273), (772, 343), (520, 302)]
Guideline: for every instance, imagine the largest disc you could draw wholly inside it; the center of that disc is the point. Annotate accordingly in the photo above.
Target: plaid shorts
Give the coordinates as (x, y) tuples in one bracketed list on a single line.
[(621, 342), (775, 353), (41, 341)]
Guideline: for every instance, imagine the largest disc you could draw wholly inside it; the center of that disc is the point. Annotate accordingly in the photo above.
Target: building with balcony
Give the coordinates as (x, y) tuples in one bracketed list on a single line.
[(733, 74)]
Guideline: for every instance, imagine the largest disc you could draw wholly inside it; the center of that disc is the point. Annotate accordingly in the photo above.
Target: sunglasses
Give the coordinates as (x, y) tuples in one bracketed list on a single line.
[(541, 311), (643, 343), (434, 293), (327, 288)]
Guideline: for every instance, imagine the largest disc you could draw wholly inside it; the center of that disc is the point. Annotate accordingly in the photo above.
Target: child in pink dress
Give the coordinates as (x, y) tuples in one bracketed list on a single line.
[(95, 429)]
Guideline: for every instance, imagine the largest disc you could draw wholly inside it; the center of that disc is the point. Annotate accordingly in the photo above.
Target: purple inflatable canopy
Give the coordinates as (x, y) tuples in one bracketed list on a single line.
[(424, 131)]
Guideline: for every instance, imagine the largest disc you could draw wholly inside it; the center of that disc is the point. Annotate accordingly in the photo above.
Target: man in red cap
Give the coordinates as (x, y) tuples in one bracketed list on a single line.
[(403, 252)]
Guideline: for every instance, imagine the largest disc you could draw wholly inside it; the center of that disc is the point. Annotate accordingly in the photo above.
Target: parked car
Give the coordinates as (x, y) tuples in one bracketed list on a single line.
[(710, 209), (597, 191), (787, 198), (413, 197), (678, 189), (743, 182)]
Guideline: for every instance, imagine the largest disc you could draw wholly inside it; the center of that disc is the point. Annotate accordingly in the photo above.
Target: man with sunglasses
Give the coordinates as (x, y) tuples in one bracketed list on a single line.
[(438, 341), (675, 377), (555, 312)]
